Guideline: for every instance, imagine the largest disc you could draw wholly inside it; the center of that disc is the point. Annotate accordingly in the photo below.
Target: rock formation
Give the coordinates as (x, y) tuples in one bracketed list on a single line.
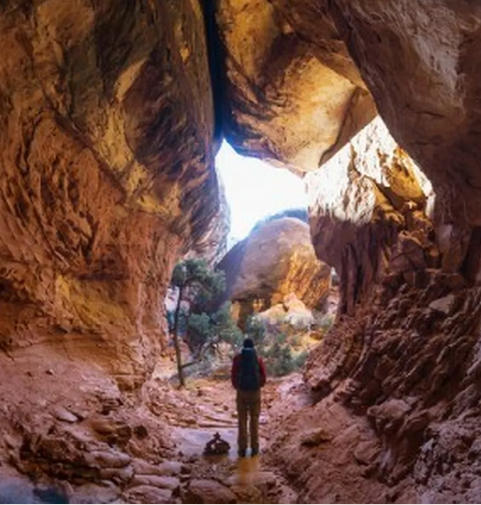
[(106, 154), (421, 62), (212, 244), (289, 97), (108, 128), (276, 259), (369, 208), (392, 385)]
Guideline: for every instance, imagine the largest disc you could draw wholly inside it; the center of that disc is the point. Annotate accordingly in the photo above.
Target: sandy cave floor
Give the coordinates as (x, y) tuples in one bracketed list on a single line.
[(66, 426)]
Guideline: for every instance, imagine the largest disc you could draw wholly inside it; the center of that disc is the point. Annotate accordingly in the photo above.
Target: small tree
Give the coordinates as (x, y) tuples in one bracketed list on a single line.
[(206, 331), (193, 276), (225, 327)]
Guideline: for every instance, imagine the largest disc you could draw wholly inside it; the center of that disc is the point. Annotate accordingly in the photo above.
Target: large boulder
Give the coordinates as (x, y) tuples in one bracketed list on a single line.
[(276, 259), (106, 127)]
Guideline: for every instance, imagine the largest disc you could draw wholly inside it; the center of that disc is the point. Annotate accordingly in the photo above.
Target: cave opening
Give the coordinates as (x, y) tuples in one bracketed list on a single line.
[(256, 190), (276, 290)]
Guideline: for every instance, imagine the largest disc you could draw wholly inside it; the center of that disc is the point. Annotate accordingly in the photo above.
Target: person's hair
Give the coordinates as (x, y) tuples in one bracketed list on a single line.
[(249, 343)]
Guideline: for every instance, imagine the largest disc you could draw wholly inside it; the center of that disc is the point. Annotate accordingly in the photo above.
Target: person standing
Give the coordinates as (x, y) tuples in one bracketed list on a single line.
[(248, 376)]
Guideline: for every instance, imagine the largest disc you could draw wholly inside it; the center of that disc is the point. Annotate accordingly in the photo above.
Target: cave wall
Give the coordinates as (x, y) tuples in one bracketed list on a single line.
[(107, 134), (106, 125), (370, 210), (290, 67), (404, 353), (398, 218), (421, 62)]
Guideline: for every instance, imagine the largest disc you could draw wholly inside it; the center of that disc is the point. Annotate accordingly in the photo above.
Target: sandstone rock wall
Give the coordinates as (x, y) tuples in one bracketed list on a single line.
[(212, 245), (292, 95), (369, 214), (404, 353), (276, 259), (106, 123), (421, 62)]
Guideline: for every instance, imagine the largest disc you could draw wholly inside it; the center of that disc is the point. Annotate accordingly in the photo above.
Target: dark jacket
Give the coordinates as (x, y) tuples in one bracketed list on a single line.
[(236, 368)]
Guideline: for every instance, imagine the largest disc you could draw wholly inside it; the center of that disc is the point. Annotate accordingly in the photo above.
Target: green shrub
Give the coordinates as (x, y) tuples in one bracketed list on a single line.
[(256, 330), (199, 330), (300, 359), (296, 341), (326, 323), (279, 360), (225, 327)]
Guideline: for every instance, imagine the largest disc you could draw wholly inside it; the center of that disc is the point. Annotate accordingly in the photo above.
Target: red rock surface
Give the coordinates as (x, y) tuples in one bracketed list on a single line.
[(291, 97), (107, 140), (69, 428), (275, 260), (421, 62), (106, 125), (370, 208)]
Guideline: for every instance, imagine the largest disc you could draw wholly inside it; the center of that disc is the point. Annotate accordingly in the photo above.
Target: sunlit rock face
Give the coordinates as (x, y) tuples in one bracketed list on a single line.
[(276, 259), (395, 381), (421, 61), (369, 209), (106, 123), (292, 94)]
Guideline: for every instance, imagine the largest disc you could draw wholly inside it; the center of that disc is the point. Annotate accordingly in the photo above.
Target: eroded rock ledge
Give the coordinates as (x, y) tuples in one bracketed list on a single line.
[(291, 98), (370, 210)]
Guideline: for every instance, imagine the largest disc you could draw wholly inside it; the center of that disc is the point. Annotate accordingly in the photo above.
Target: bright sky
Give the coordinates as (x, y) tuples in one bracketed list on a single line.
[(255, 190)]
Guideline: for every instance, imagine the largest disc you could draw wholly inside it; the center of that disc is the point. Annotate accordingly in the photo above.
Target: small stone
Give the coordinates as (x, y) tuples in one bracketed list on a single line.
[(156, 481), (9, 441), (314, 438), (209, 491), (104, 492), (148, 494), (265, 480), (166, 468), (114, 459), (49, 372), (444, 305), (117, 475), (62, 414), (80, 413)]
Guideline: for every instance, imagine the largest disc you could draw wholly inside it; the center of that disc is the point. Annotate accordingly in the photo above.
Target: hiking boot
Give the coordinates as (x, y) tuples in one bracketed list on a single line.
[(241, 453), (255, 452)]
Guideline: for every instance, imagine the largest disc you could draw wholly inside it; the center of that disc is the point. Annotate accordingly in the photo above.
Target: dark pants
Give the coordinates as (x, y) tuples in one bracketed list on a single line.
[(248, 406)]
